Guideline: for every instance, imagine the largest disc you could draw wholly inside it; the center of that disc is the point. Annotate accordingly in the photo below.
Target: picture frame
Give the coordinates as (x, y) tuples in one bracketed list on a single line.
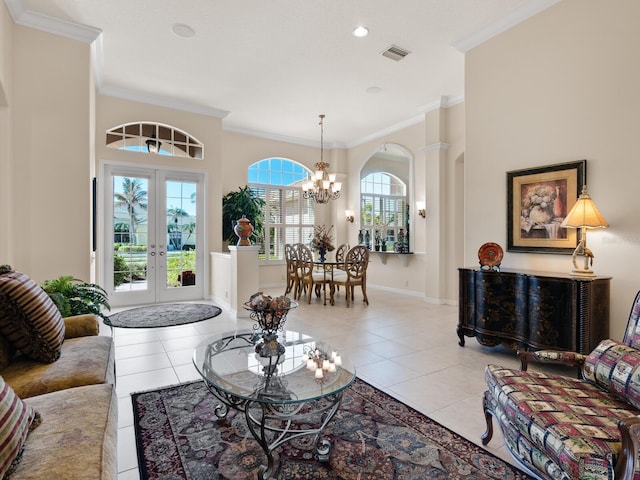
[(538, 199)]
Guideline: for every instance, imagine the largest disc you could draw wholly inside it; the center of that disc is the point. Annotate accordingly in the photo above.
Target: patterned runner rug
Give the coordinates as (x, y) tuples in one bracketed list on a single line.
[(163, 315), (372, 436)]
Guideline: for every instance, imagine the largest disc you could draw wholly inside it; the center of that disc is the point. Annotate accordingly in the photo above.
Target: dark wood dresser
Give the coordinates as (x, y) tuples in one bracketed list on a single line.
[(533, 310)]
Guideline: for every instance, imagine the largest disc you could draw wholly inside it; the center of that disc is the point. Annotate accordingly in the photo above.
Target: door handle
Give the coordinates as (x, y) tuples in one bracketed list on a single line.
[(153, 254), (161, 253)]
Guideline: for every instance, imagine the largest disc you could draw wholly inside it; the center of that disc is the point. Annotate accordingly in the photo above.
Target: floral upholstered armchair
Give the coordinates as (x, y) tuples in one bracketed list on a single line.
[(560, 427)]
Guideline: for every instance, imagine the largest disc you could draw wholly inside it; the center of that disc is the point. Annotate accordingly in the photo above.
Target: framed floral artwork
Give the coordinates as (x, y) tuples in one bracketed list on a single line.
[(538, 199)]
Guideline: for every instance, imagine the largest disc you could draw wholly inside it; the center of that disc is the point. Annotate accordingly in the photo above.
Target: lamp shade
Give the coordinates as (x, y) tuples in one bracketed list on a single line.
[(584, 214)]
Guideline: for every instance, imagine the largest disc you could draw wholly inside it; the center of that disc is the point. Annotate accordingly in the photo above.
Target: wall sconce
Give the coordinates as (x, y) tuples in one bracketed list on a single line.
[(349, 215), (421, 210)]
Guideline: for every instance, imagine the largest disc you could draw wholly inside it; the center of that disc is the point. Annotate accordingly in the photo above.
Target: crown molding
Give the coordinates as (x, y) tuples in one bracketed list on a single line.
[(175, 104), (45, 23), (283, 138), (440, 146), (517, 16), (387, 131), (441, 102)]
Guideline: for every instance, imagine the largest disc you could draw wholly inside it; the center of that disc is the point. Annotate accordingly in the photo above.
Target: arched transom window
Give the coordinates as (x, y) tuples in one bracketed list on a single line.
[(154, 138)]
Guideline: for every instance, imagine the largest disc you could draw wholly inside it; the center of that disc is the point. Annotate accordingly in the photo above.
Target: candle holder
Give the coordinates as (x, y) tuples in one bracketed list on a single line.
[(322, 362)]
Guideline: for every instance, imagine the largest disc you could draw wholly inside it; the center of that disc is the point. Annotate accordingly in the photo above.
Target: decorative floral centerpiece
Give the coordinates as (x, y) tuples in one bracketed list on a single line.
[(538, 203), (270, 314), (322, 241)]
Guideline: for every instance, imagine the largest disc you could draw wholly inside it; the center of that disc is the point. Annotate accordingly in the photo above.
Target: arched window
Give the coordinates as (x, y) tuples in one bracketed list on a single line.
[(154, 138), (383, 203), (289, 218)]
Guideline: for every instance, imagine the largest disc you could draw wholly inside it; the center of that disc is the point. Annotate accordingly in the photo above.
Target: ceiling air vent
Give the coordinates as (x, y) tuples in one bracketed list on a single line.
[(395, 53)]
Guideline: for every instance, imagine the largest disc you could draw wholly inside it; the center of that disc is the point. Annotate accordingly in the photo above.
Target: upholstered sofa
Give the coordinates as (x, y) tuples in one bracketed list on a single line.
[(58, 406), (562, 427)]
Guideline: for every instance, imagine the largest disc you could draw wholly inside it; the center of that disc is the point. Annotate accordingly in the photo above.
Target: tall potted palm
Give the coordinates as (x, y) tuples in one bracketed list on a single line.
[(235, 205)]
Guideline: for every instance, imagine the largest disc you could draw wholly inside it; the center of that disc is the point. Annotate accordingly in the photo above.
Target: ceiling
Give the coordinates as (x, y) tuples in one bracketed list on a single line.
[(270, 67)]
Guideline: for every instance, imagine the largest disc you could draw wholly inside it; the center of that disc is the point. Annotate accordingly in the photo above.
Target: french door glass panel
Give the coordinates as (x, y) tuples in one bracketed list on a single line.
[(154, 235)]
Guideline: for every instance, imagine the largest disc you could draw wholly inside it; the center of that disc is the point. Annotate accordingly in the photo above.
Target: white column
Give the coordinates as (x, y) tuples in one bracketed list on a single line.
[(244, 277)]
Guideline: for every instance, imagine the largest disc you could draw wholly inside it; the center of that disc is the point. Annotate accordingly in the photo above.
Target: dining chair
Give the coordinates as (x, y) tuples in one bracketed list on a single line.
[(355, 273), (291, 258), (340, 254), (309, 278)]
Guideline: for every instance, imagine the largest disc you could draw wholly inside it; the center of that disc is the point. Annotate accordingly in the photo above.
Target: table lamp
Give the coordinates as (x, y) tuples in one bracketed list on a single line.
[(584, 215)]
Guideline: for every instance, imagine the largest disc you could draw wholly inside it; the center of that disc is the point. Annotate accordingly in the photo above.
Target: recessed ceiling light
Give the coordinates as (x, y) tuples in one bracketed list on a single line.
[(373, 90), (182, 30), (361, 31)]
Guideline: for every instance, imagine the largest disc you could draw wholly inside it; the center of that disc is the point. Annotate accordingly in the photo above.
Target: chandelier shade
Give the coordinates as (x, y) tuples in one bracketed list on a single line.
[(323, 186)]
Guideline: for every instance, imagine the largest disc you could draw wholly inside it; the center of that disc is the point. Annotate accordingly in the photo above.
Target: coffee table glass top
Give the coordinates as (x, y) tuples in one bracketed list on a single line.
[(229, 362)]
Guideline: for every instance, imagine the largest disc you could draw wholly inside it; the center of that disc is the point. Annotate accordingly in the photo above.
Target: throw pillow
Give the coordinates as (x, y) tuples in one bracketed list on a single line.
[(16, 421), (615, 367), (29, 319)]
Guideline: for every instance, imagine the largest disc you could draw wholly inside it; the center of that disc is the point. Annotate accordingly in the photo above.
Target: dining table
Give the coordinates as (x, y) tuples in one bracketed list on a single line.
[(327, 267)]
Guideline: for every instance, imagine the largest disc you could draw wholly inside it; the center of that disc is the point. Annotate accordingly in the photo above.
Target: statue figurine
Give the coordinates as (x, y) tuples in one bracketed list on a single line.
[(360, 237), (367, 239)]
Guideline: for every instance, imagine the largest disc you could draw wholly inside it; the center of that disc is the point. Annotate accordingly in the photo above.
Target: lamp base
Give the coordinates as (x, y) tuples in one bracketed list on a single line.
[(582, 273)]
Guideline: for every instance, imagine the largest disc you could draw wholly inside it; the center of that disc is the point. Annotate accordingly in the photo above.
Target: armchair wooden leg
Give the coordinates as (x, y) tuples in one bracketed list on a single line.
[(486, 436)]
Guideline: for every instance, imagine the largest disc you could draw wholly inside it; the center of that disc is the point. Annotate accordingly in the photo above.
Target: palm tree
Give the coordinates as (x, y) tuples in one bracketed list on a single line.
[(133, 198), (173, 228)]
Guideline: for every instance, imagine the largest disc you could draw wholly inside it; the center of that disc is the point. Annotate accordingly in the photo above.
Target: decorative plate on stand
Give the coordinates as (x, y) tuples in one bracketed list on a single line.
[(490, 255)]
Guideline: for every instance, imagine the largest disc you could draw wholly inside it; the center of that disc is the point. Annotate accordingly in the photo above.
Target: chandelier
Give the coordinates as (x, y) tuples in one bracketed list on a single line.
[(323, 186)]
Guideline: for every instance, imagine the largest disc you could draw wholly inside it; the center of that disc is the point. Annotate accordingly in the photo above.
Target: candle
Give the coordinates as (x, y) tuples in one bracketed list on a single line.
[(319, 373), (333, 355), (338, 360), (325, 364), (332, 367), (311, 365)]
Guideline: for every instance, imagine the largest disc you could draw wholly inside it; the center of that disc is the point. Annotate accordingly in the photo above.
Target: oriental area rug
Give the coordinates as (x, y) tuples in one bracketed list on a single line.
[(373, 435), (163, 315)]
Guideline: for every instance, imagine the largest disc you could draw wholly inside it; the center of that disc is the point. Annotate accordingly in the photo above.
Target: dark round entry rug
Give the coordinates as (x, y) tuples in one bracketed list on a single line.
[(163, 315)]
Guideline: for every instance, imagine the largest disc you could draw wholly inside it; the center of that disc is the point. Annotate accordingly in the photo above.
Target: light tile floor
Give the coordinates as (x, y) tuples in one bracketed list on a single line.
[(399, 343)]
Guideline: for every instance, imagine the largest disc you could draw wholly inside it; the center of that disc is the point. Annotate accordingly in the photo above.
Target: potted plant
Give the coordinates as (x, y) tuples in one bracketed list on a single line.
[(235, 205), (75, 297)]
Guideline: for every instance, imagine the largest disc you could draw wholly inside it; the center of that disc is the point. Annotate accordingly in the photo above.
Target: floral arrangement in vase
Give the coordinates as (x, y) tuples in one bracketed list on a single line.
[(322, 241)]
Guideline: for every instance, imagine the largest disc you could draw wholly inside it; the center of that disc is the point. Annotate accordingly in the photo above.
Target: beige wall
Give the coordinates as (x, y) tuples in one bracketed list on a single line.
[(560, 87), (6, 60), (49, 170)]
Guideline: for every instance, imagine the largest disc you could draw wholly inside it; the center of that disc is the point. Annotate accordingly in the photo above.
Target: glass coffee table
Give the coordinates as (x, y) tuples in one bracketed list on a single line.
[(285, 396)]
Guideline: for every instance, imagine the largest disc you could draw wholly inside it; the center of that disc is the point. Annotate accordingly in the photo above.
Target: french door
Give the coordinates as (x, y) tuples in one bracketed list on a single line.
[(154, 235)]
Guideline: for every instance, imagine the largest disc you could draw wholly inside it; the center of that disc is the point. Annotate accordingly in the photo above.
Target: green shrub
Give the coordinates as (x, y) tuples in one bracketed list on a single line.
[(119, 268), (176, 264)]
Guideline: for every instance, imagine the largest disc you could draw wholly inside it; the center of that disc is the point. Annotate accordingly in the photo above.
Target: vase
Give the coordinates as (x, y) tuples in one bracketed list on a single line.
[(243, 230), (322, 252), (558, 206)]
